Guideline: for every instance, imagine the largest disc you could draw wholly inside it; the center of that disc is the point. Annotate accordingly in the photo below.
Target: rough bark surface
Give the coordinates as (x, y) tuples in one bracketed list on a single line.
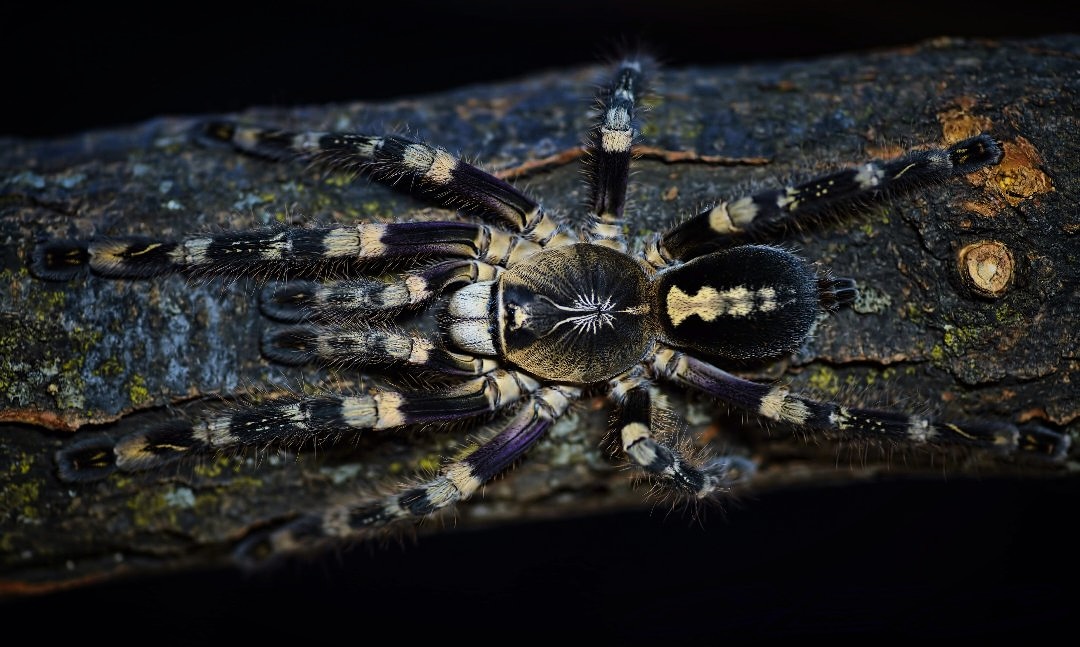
[(94, 356)]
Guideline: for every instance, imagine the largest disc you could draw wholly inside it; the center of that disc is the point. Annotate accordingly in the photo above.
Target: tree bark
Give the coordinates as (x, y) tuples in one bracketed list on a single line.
[(94, 356)]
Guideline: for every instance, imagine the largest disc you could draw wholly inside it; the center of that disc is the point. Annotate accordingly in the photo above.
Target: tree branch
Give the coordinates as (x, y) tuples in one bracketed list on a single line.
[(935, 327)]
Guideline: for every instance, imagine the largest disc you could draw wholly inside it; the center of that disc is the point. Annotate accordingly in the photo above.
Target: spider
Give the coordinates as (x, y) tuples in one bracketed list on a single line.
[(518, 316)]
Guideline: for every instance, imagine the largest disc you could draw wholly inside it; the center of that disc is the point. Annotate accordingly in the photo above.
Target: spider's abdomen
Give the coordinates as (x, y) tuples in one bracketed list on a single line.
[(742, 303), (578, 313)]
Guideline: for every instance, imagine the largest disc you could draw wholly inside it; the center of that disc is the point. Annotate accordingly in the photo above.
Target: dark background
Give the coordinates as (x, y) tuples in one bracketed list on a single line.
[(947, 558), (954, 556), (69, 68)]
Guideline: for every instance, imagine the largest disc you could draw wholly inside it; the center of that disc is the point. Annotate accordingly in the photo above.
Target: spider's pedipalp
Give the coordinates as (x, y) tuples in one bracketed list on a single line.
[(765, 213), (345, 300), (384, 346)]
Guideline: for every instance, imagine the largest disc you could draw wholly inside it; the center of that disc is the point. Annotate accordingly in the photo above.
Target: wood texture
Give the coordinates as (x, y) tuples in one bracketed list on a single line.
[(104, 357)]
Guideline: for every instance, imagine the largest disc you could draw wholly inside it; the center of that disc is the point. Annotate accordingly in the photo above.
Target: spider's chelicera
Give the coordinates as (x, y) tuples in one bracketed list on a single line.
[(529, 316)]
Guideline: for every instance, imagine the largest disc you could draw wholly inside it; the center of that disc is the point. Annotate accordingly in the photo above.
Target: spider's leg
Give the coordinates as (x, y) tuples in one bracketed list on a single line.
[(358, 345), (429, 172), (297, 419), (777, 403), (348, 300), (278, 251), (764, 213), (348, 337), (609, 153), (634, 425), (455, 482)]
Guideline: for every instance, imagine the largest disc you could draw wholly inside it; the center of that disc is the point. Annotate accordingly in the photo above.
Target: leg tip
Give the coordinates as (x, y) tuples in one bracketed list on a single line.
[(1036, 440), (290, 345), (213, 132), (87, 459), (262, 547), (59, 260), (290, 303), (975, 153), (736, 470)]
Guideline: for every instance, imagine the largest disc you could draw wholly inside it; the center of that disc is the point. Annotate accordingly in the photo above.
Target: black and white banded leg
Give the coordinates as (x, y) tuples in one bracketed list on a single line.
[(429, 172), (296, 420), (279, 251), (455, 482), (609, 152), (355, 346), (348, 300), (779, 404), (765, 213), (337, 327), (669, 467)]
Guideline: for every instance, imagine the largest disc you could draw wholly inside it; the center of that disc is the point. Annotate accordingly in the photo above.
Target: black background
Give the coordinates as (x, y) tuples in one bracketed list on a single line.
[(955, 556), (68, 68)]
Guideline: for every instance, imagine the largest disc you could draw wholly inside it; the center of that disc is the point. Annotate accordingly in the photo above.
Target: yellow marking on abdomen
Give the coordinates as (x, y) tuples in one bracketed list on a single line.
[(710, 303)]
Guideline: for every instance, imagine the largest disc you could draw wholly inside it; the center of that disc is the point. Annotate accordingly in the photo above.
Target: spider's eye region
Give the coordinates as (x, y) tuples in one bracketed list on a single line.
[(750, 301), (517, 316), (574, 311)]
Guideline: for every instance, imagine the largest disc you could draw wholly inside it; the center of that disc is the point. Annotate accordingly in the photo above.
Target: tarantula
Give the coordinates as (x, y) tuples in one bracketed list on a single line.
[(525, 316)]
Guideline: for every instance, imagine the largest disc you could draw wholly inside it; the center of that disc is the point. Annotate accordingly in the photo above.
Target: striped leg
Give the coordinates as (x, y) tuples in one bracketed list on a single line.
[(294, 420), (763, 213), (277, 251), (298, 301), (779, 404), (358, 345), (634, 416), (427, 171), (609, 154), (456, 482)]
